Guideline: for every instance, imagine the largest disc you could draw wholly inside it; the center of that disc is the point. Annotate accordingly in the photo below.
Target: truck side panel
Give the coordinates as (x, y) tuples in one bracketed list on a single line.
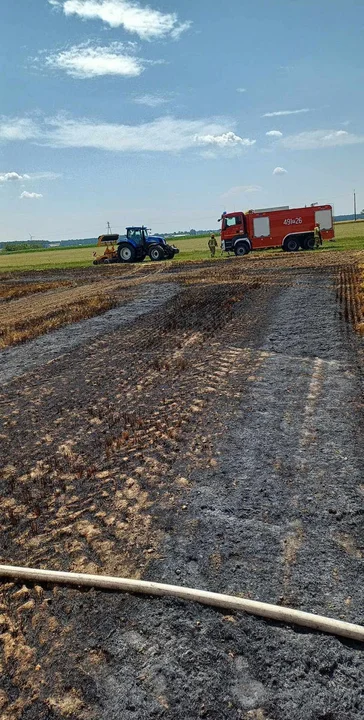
[(269, 229)]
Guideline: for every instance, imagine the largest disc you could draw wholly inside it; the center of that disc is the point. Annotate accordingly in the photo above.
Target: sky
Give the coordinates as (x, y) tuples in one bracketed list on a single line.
[(167, 113)]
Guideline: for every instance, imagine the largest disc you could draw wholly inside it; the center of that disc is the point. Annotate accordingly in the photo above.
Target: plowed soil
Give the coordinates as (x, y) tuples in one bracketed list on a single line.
[(208, 433)]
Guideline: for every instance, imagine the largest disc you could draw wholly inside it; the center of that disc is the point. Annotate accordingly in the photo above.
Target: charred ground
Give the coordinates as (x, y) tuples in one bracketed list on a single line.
[(212, 440)]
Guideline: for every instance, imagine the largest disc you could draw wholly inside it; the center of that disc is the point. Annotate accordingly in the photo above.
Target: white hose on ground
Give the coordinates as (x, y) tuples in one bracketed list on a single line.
[(228, 602)]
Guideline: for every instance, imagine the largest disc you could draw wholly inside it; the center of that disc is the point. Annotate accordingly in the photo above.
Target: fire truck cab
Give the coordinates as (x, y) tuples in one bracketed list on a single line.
[(290, 229)]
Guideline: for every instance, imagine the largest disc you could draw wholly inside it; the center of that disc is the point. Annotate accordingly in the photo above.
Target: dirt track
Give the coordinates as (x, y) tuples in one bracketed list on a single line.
[(215, 443)]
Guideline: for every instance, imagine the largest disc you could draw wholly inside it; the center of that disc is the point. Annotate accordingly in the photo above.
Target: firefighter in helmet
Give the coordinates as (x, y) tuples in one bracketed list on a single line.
[(212, 245), (317, 235)]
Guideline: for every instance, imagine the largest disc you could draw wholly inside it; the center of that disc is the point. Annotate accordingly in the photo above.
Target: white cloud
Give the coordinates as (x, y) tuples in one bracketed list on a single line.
[(17, 177), (336, 134), (316, 139), (30, 195), (279, 113), (17, 128), (240, 190), (44, 176), (209, 155), (279, 171), (166, 134), (249, 188), (274, 133), (149, 24), (151, 100), (179, 29), (228, 139), (12, 177), (85, 61), (241, 90)]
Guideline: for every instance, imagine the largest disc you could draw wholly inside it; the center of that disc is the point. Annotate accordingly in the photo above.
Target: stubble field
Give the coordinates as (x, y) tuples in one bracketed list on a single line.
[(204, 430)]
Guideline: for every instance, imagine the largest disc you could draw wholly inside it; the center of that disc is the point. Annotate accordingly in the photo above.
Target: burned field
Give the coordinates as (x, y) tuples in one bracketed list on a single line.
[(205, 431)]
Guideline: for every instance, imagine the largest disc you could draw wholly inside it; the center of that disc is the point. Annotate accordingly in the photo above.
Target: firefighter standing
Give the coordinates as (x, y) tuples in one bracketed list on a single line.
[(212, 245), (317, 235)]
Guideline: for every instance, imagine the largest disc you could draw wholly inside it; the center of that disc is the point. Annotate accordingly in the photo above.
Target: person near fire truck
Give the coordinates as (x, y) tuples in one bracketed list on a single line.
[(212, 245), (317, 235)]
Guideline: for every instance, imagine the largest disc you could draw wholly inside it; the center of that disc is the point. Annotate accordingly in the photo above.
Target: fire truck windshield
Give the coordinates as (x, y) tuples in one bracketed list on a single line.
[(232, 221)]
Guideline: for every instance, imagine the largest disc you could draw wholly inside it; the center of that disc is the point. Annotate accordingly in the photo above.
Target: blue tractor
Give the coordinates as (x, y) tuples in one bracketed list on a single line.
[(137, 244)]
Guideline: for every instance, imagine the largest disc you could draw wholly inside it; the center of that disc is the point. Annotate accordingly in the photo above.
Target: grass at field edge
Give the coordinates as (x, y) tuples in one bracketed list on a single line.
[(341, 244)]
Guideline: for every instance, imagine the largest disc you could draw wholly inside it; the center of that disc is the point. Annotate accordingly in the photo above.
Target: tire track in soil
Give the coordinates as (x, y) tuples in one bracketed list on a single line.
[(98, 505), (142, 430), (245, 517), (244, 532), (281, 520)]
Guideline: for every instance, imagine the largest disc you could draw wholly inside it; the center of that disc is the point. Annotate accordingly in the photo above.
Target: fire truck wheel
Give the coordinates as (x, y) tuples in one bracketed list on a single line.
[(291, 244), (309, 242), (241, 249)]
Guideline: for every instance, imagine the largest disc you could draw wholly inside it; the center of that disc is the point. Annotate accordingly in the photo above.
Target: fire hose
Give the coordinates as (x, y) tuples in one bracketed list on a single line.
[(227, 602)]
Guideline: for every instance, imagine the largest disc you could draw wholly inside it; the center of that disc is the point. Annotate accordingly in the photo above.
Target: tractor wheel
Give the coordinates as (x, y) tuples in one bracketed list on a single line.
[(126, 253), (156, 253), (291, 244), (106, 261), (169, 252)]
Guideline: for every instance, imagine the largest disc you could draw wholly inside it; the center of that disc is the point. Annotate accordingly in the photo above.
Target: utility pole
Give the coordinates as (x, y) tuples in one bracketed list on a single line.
[(354, 205), (109, 231)]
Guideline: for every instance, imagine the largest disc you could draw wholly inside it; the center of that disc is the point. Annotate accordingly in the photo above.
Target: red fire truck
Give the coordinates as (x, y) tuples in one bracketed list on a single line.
[(290, 229)]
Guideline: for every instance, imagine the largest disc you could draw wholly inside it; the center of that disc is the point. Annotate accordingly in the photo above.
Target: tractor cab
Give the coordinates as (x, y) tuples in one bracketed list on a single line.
[(137, 235), (137, 244)]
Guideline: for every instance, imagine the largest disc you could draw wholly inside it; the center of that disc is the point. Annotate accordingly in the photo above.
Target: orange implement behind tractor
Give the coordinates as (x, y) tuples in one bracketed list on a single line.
[(109, 255), (290, 229)]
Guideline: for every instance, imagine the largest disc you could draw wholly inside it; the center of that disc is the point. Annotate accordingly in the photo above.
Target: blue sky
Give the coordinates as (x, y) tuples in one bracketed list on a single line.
[(169, 112)]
